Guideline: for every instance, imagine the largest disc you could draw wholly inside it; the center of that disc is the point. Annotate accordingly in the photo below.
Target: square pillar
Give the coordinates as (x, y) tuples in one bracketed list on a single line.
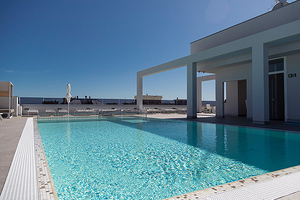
[(9, 99), (139, 95), (249, 98), (192, 90), (219, 98), (260, 84), (199, 95)]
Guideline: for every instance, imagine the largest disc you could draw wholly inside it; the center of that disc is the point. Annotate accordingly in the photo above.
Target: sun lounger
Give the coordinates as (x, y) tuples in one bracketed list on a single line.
[(85, 111), (169, 110), (108, 111), (7, 111), (207, 109), (50, 111), (32, 111), (63, 111), (181, 110), (129, 111), (153, 110)]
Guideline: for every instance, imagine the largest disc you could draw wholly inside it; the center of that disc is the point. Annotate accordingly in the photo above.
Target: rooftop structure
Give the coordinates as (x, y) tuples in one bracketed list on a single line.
[(6, 98), (151, 99), (255, 64)]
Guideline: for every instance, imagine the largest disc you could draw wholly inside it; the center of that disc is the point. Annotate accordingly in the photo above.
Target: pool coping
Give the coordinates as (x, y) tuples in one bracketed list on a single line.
[(45, 181), (227, 187)]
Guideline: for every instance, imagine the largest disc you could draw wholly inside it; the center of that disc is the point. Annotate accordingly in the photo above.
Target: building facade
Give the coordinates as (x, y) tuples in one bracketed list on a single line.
[(256, 66)]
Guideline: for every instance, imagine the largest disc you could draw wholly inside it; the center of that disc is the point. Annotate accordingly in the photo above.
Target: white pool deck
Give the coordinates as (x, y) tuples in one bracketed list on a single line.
[(21, 181), (29, 176)]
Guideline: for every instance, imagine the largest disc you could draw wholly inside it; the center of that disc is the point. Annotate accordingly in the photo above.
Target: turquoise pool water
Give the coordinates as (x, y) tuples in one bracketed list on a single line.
[(137, 158)]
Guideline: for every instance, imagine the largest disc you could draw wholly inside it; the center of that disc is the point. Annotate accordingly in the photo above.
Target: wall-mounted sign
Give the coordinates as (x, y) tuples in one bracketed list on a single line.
[(292, 75)]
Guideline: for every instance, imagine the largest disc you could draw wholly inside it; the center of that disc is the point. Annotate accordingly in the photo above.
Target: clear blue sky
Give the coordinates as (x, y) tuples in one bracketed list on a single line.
[(99, 45)]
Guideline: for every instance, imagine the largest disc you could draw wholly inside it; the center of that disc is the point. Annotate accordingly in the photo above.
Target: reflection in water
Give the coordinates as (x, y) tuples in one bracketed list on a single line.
[(140, 136), (192, 133), (266, 149), (68, 131)]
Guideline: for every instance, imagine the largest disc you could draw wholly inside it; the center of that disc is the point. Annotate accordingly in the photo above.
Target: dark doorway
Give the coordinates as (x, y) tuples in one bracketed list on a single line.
[(242, 98), (276, 85), (276, 91)]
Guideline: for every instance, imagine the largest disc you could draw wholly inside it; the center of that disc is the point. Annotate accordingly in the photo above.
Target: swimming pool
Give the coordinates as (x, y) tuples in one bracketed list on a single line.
[(138, 158)]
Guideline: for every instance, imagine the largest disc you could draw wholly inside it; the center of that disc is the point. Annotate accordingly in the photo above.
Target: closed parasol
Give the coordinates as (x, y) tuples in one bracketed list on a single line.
[(68, 96)]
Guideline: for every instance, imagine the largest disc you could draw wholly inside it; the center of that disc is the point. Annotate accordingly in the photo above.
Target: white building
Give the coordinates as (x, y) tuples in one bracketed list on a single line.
[(258, 61), (9, 104)]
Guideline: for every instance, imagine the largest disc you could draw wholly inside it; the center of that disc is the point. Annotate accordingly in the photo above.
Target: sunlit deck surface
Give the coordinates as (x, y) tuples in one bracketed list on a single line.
[(11, 130), (10, 133)]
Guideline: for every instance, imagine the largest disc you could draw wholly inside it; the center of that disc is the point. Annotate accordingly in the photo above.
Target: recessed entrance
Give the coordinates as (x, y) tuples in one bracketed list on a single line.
[(276, 89), (235, 98)]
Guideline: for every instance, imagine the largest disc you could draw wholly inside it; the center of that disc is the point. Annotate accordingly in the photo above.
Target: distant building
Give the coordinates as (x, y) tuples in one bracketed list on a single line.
[(50, 102), (180, 101), (79, 101), (151, 99), (8, 102)]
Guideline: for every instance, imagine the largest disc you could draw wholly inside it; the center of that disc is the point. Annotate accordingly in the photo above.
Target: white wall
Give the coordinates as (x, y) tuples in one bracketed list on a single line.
[(293, 87), (231, 105), (263, 22), (4, 85), (15, 104), (235, 73), (240, 72), (4, 102)]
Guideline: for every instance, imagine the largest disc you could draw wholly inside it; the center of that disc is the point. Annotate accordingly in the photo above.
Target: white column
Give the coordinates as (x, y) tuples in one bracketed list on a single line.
[(139, 95), (219, 98), (199, 95), (9, 99), (286, 110), (260, 84), (249, 98), (192, 90)]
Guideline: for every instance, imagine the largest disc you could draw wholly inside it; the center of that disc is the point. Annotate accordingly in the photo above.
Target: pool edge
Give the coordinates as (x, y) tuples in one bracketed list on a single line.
[(45, 181), (227, 187)]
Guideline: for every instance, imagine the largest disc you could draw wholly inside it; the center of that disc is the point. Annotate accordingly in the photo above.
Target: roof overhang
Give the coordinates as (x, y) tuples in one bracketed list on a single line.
[(284, 34)]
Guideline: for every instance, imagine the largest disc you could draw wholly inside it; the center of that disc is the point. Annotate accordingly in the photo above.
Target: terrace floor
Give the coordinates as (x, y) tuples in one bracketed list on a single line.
[(10, 133), (11, 130)]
